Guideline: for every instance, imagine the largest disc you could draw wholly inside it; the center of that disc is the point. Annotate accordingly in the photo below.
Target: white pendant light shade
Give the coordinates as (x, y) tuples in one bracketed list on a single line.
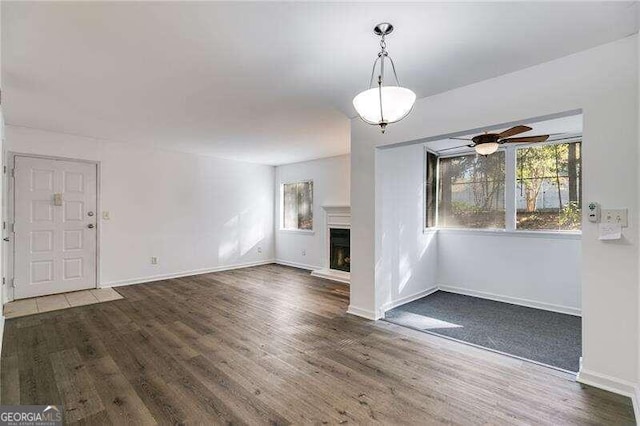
[(387, 104), (487, 148), (382, 104)]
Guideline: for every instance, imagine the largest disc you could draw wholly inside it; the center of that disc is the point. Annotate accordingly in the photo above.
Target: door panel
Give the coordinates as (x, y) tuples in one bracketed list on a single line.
[(55, 202)]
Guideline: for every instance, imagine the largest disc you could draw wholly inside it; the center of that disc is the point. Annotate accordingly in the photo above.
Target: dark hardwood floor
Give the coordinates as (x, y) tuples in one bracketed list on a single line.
[(272, 344)]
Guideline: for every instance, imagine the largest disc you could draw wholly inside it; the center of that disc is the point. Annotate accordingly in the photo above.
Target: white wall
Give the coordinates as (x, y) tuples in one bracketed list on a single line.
[(195, 213), (409, 257), (331, 182), (1, 202), (636, 406), (603, 82), (538, 270), (2, 259)]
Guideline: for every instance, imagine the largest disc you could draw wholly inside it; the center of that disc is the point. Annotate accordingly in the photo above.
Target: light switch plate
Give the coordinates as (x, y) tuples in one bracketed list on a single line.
[(620, 216)]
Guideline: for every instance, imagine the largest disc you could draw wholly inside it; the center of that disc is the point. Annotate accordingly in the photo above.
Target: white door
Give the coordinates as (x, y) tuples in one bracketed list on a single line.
[(55, 226)]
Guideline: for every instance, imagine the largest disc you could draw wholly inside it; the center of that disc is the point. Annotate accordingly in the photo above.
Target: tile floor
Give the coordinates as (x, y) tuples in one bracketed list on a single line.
[(35, 305)]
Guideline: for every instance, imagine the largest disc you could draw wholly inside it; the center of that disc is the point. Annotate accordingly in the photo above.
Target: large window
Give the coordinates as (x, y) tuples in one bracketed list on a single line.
[(549, 187), (544, 188), (472, 191), (297, 205)]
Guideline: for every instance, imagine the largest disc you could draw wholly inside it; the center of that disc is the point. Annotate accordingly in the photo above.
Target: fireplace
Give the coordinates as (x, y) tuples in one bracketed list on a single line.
[(337, 237), (339, 249)]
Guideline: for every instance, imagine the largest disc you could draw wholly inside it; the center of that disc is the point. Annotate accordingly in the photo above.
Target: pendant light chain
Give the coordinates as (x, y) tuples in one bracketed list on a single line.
[(381, 55)]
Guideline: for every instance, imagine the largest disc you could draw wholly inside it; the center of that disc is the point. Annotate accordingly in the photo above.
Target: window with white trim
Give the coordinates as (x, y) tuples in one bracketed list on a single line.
[(549, 187), (297, 206), (471, 189)]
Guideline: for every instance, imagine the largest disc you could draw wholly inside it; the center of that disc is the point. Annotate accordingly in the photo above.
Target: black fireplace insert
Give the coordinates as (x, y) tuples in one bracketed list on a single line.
[(339, 249)]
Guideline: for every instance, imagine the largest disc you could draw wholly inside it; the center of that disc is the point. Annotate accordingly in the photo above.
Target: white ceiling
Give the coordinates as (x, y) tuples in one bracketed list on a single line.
[(262, 82)]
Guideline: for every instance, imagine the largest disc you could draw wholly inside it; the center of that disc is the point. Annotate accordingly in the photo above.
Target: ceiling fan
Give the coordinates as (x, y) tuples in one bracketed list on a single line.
[(488, 143)]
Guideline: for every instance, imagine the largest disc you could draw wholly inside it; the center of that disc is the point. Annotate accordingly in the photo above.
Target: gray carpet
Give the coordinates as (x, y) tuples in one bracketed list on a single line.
[(547, 337)]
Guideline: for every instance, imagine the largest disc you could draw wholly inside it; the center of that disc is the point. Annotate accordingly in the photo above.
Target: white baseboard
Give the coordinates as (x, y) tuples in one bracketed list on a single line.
[(296, 265), (406, 299), (513, 300), (612, 384), (152, 278), (364, 313)]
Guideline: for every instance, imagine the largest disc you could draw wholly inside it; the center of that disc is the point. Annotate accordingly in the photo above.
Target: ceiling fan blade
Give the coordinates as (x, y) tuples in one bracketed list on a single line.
[(516, 130), (526, 139), (454, 147)]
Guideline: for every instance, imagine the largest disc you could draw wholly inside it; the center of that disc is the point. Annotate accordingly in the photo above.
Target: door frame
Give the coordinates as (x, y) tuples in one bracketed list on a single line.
[(8, 215)]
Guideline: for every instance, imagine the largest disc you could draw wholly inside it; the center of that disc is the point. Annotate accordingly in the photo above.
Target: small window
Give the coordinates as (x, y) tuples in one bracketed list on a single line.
[(549, 187), (297, 205), (430, 189), (472, 191)]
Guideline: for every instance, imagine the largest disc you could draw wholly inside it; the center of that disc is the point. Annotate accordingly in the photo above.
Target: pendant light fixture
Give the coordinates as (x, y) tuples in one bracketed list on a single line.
[(382, 104)]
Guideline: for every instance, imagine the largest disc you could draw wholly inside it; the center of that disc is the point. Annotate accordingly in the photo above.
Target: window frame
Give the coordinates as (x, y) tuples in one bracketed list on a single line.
[(514, 148), (282, 209), (436, 181), (506, 204), (510, 181)]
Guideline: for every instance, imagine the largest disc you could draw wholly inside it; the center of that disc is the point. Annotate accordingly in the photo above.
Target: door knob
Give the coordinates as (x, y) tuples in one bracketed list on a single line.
[(90, 226)]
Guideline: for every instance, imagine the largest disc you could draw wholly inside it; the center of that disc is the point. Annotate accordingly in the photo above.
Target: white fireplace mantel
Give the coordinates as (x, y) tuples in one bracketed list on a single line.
[(335, 217)]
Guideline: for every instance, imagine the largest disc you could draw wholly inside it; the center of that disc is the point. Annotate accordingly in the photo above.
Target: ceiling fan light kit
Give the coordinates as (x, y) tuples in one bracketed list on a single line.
[(384, 104), (487, 148)]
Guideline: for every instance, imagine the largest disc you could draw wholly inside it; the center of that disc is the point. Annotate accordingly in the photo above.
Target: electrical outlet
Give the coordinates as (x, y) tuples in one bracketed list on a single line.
[(259, 249), (304, 252), (154, 260)]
